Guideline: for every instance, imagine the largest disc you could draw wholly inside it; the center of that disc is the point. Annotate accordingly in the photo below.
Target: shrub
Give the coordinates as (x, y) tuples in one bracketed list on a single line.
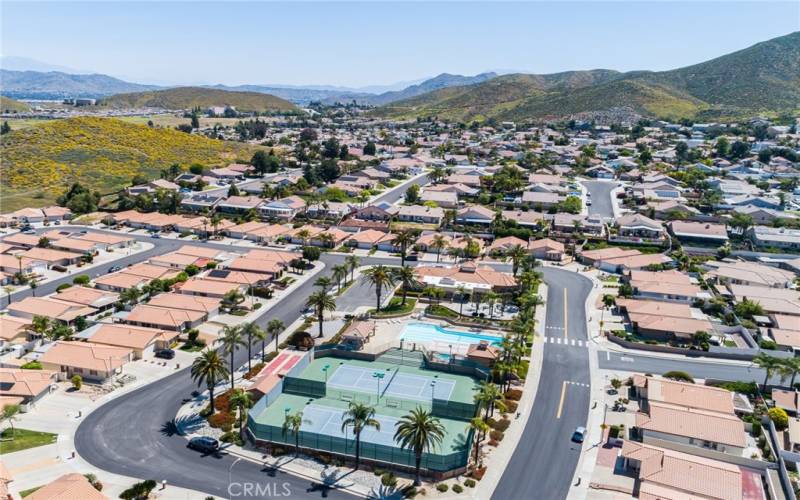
[(442, 487), (469, 483), (254, 371), (756, 430), (500, 425), (222, 402), (511, 406), (32, 365), (679, 375), (378, 471), (494, 443), (388, 479), (496, 435), (748, 388), (77, 382), (513, 394), (62, 286), (221, 420), (231, 437), (779, 418), (478, 473), (138, 490), (83, 279), (458, 488)]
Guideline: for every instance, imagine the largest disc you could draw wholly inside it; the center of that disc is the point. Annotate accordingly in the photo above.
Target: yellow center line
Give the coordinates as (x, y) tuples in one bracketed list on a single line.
[(561, 403), (565, 312)]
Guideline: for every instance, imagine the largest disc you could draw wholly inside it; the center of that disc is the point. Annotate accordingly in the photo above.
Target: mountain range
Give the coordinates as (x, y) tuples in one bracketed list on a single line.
[(763, 78)]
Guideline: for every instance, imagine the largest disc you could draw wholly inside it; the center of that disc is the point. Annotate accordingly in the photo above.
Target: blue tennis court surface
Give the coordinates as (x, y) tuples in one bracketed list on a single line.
[(328, 421), (392, 385)]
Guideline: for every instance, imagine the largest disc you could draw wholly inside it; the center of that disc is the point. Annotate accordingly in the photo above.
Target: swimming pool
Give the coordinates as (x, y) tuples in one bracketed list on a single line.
[(427, 332)]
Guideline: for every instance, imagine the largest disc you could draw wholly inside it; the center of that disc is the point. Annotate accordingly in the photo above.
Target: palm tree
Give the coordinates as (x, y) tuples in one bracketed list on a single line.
[(480, 428), (323, 282), (231, 339), (209, 368), (359, 416), (407, 278), (327, 239), (232, 299), (489, 396), (262, 335), (379, 277), (351, 261), (130, 295), (9, 415), (321, 302), (769, 364), (418, 431), (40, 324), (439, 243), (250, 331), (274, 328), (339, 274), (242, 401), (403, 240), (216, 219), (462, 295), (516, 254), (292, 423), (491, 298), (303, 234), (792, 367)]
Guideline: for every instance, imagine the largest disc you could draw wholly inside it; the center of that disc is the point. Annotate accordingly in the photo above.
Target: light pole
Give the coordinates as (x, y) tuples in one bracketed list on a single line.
[(378, 376), (433, 386), (325, 370), (450, 359)]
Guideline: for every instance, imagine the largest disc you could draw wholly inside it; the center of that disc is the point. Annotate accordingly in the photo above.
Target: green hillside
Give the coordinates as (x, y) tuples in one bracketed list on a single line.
[(192, 97), (8, 105), (764, 78), (103, 153)]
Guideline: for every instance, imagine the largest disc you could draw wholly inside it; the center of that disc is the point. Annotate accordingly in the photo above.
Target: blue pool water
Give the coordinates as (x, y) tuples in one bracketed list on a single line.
[(426, 332)]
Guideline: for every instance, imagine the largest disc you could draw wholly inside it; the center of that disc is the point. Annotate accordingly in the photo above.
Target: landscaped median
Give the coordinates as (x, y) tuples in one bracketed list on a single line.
[(395, 308)]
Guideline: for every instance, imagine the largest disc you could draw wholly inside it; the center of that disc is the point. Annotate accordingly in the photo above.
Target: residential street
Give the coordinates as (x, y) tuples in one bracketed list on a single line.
[(545, 458), (601, 197)]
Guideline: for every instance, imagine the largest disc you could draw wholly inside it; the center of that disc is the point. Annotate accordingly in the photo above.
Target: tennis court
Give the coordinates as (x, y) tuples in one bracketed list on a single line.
[(393, 383), (328, 421)]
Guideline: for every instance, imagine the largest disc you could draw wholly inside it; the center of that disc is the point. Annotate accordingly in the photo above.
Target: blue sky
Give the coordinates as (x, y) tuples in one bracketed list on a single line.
[(358, 44)]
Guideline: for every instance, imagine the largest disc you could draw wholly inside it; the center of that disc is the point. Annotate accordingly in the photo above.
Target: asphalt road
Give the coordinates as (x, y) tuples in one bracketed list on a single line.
[(544, 462), (393, 195), (699, 368), (601, 197)]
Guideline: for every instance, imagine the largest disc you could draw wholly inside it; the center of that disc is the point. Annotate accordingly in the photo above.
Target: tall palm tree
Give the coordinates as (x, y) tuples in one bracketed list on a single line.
[(303, 234), (209, 369), (339, 274), (480, 428), (261, 335), (321, 301), (130, 295), (292, 423), (379, 277), (250, 331), (323, 282), (231, 340), (769, 364), (407, 278), (491, 298), (352, 262), (403, 240), (242, 401), (274, 328), (439, 243), (462, 296), (359, 416), (418, 431), (516, 254)]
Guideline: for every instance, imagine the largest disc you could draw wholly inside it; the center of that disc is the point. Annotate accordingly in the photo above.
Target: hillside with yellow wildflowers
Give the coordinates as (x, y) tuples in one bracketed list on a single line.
[(103, 154)]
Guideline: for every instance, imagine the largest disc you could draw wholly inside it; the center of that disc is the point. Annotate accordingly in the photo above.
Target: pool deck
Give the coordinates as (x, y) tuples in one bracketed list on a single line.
[(388, 333)]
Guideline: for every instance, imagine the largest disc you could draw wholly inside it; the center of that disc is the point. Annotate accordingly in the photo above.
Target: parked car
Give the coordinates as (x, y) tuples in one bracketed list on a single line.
[(155, 235), (204, 443), (579, 434), (588, 203), (114, 269), (57, 223), (165, 353), (60, 269)]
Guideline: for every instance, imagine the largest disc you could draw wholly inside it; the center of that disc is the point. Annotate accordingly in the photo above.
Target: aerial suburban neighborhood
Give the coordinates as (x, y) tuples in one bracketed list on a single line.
[(428, 291)]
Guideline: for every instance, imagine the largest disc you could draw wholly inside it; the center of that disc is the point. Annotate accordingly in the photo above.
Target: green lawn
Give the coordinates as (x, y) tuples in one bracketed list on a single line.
[(23, 440), (27, 492), (396, 306)]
